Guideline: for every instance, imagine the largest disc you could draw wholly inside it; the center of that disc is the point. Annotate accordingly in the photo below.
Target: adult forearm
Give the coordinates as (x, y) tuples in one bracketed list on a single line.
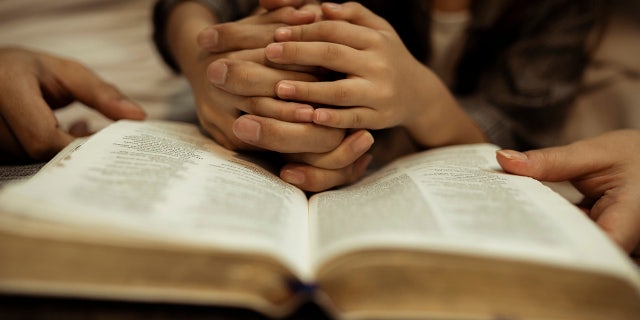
[(184, 23)]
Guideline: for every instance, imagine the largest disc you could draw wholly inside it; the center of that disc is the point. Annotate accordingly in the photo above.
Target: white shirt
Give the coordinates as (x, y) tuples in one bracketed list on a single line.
[(111, 37)]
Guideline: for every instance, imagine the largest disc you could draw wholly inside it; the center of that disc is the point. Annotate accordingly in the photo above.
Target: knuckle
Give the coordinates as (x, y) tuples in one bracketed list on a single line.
[(325, 29), (252, 105), (331, 52), (386, 93), (356, 120), (290, 51), (341, 94), (377, 38), (379, 66), (283, 113), (239, 77), (302, 91), (332, 140)]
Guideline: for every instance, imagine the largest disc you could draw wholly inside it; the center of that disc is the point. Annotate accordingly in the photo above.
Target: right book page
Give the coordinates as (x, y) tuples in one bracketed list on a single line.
[(456, 203)]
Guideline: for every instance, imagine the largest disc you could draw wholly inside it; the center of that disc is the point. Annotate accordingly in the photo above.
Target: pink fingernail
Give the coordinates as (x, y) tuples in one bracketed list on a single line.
[(274, 50), (513, 155), (304, 115), (321, 116), (209, 38), (217, 73), (293, 176), (282, 34), (286, 90), (362, 143), (247, 130)]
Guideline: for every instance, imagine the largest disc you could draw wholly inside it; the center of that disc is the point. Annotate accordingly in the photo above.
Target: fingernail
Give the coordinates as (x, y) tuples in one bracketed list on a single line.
[(282, 34), (136, 111), (247, 130), (304, 114), (362, 143), (513, 155), (293, 176), (274, 50), (209, 38), (303, 13), (217, 73), (321, 116), (285, 90), (128, 104), (332, 6)]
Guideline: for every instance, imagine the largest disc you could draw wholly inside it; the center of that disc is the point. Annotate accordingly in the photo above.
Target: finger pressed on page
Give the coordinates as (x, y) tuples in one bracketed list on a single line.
[(352, 148), (550, 164), (90, 89), (286, 137), (314, 179)]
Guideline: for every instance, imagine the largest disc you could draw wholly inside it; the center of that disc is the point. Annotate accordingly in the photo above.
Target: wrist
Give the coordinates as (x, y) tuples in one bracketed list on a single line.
[(439, 120)]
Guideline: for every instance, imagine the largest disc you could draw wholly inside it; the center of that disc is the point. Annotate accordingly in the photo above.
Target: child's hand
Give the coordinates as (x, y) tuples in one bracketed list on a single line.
[(384, 85)]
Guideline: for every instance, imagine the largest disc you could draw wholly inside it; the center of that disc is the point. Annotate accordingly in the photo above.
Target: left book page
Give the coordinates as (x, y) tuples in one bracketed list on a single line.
[(165, 183)]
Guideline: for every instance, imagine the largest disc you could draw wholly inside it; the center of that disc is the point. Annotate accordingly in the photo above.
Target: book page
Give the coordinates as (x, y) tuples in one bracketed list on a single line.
[(456, 199), (167, 181)]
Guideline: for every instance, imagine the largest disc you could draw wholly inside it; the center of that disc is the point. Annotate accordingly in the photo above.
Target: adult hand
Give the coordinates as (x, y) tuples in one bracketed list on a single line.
[(33, 84), (606, 169)]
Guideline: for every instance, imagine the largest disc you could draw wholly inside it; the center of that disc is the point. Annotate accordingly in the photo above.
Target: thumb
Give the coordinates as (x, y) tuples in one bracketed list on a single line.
[(90, 89), (549, 164)]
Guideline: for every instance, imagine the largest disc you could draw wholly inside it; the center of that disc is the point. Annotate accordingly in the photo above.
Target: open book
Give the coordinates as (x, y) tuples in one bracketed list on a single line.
[(155, 211)]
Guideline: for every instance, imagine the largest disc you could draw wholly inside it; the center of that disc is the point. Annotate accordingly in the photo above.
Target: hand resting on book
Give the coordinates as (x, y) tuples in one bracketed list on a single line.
[(33, 83), (606, 169)]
